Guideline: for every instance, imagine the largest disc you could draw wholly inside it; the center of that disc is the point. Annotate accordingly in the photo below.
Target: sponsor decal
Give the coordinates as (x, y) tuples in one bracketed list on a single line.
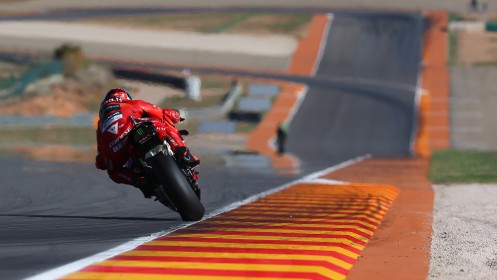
[(111, 119), (111, 116), (113, 129), (140, 131), (171, 141), (119, 146), (121, 137), (114, 99), (108, 109)]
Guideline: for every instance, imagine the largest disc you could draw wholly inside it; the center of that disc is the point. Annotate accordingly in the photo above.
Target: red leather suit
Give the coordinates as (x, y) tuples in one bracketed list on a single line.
[(115, 123)]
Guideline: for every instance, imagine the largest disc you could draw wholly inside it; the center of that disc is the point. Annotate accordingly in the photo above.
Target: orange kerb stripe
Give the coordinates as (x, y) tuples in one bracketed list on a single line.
[(303, 63), (306, 55), (261, 251), (434, 104)]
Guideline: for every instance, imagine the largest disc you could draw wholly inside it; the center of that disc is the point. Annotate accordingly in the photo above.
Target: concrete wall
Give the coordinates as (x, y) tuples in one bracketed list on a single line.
[(259, 52), (473, 109), (154, 54)]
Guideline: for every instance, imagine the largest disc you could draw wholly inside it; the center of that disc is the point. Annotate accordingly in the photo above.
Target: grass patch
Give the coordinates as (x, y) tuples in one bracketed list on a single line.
[(230, 23), (214, 91), (452, 48), (455, 17), (49, 136), (243, 22), (485, 63), (215, 82), (245, 127), (197, 22), (179, 102), (6, 83), (293, 23), (267, 23), (463, 166)]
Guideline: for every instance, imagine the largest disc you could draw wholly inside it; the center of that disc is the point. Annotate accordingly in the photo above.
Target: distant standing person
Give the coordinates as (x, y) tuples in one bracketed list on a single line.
[(483, 8), (281, 136), (473, 4)]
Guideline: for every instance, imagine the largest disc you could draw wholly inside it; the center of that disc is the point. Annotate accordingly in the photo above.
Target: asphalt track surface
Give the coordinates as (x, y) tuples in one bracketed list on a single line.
[(374, 117), (53, 213)]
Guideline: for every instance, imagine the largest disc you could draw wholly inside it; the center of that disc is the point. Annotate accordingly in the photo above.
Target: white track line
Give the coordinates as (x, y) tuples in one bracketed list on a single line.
[(417, 113), (321, 181), (300, 98), (301, 95), (80, 264), (315, 176), (324, 42), (417, 102), (353, 81), (272, 141), (296, 106)]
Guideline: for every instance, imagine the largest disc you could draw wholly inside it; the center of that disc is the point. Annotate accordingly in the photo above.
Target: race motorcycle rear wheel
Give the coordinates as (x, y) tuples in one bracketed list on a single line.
[(167, 173)]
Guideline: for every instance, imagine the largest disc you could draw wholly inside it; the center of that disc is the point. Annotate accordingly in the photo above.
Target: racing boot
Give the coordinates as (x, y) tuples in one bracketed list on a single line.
[(142, 183), (183, 154)]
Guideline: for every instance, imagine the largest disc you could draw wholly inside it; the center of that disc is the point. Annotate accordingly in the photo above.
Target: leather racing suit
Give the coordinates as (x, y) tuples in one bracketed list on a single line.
[(115, 124)]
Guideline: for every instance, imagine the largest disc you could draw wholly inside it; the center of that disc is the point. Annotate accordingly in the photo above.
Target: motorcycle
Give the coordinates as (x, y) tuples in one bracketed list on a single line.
[(176, 184)]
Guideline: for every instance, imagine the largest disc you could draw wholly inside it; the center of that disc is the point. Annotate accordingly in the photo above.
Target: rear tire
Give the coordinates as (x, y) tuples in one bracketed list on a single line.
[(168, 174)]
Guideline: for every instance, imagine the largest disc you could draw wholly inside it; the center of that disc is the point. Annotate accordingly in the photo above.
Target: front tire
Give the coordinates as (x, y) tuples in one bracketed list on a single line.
[(168, 174)]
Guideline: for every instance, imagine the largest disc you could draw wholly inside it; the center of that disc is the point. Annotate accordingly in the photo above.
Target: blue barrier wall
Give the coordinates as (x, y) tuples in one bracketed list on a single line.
[(35, 73)]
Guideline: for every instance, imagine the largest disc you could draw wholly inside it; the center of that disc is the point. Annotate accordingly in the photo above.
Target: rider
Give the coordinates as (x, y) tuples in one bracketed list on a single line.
[(114, 125)]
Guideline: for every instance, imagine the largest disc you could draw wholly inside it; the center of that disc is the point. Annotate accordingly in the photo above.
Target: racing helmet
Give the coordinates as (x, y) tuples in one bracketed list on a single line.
[(117, 95)]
